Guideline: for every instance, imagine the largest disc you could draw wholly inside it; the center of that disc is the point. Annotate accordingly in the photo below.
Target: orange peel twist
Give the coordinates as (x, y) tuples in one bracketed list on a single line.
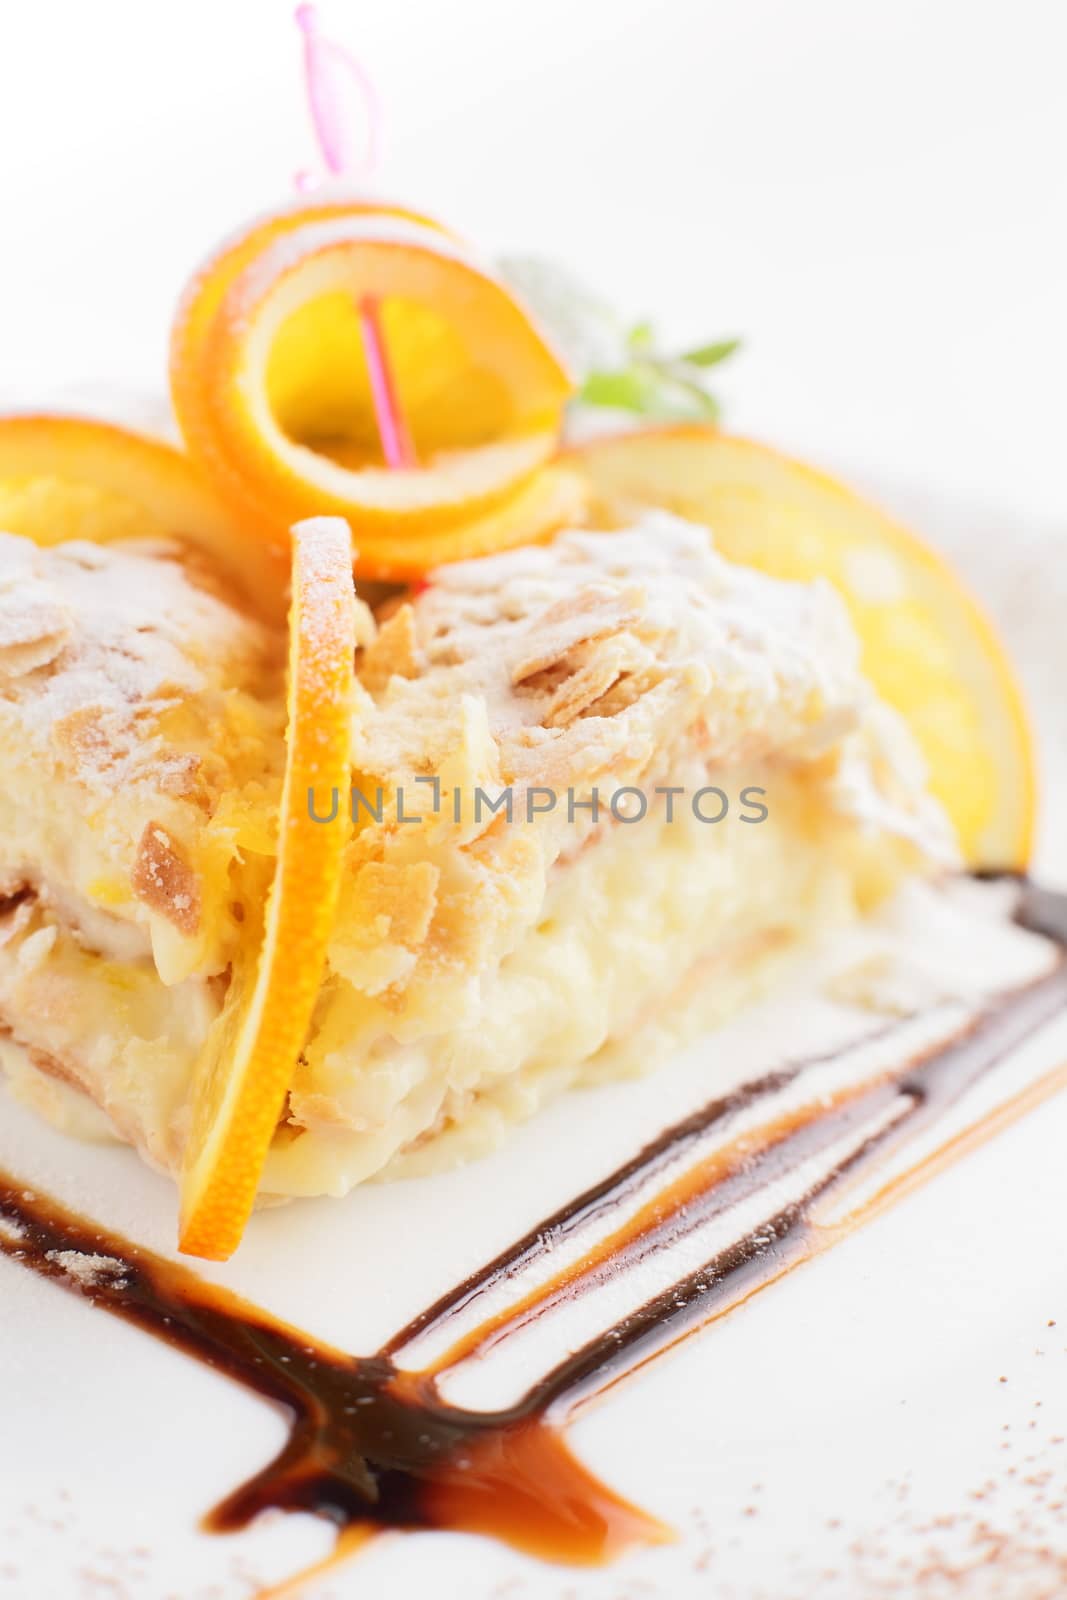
[(272, 390)]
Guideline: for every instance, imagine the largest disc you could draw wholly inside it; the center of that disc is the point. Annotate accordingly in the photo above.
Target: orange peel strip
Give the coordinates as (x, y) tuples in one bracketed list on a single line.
[(248, 1064), (927, 645)]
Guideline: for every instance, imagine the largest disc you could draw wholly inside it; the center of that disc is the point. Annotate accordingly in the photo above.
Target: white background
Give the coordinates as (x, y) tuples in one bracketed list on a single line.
[(871, 191)]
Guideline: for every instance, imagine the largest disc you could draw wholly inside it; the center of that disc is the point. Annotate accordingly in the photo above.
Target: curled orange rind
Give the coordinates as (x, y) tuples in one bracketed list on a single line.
[(275, 396)]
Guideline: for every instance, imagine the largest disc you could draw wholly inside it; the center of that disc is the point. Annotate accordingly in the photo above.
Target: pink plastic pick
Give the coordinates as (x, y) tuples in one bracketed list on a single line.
[(336, 84), (392, 429)]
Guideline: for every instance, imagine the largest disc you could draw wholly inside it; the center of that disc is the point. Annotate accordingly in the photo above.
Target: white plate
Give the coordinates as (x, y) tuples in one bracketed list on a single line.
[(884, 1419)]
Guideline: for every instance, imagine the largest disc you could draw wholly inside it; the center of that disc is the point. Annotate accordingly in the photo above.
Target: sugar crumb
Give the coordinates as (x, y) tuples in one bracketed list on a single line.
[(87, 1270)]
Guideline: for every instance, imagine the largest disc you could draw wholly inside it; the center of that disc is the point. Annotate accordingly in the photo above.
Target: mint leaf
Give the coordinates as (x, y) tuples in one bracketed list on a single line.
[(641, 337), (709, 355), (630, 390), (653, 383), (651, 390)]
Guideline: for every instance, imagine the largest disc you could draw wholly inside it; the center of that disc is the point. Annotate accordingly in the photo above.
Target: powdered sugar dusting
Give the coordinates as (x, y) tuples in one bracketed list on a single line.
[(123, 633), (89, 1271), (589, 648)]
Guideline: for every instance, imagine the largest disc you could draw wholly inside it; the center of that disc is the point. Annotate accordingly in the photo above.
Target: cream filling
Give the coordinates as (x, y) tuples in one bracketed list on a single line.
[(81, 862), (655, 929), (80, 1021), (82, 859), (581, 990), (92, 927)]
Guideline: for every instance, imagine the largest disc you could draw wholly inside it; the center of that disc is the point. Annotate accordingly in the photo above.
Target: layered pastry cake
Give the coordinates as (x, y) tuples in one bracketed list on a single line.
[(603, 788)]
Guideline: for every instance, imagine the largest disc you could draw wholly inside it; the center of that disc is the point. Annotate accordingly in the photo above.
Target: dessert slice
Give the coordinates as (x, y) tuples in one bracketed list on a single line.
[(603, 788)]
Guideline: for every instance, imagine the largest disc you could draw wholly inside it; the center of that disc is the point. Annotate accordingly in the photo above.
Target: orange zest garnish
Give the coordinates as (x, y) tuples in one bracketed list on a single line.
[(927, 646), (273, 391), (69, 477), (248, 1063)]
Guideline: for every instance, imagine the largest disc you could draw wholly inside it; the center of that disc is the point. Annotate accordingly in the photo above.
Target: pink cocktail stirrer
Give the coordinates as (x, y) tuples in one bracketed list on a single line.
[(336, 85)]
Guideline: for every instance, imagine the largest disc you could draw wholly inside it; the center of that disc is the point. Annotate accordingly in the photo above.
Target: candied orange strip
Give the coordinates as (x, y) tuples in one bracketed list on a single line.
[(248, 1064)]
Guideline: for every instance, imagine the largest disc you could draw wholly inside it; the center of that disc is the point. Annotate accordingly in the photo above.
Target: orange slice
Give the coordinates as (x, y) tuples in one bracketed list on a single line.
[(272, 389), (69, 477), (246, 1069), (927, 646)]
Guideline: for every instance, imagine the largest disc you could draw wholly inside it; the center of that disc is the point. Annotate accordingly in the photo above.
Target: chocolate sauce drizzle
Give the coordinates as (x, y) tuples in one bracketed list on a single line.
[(373, 1445)]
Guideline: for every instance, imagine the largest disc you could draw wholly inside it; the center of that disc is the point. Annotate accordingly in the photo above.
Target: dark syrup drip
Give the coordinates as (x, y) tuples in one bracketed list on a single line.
[(372, 1446), (367, 1443)]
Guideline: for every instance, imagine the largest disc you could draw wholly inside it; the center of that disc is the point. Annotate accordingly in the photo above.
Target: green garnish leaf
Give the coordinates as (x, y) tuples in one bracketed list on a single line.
[(619, 365), (641, 337), (651, 389), (629, 390), (668, 388), (709, 355)]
